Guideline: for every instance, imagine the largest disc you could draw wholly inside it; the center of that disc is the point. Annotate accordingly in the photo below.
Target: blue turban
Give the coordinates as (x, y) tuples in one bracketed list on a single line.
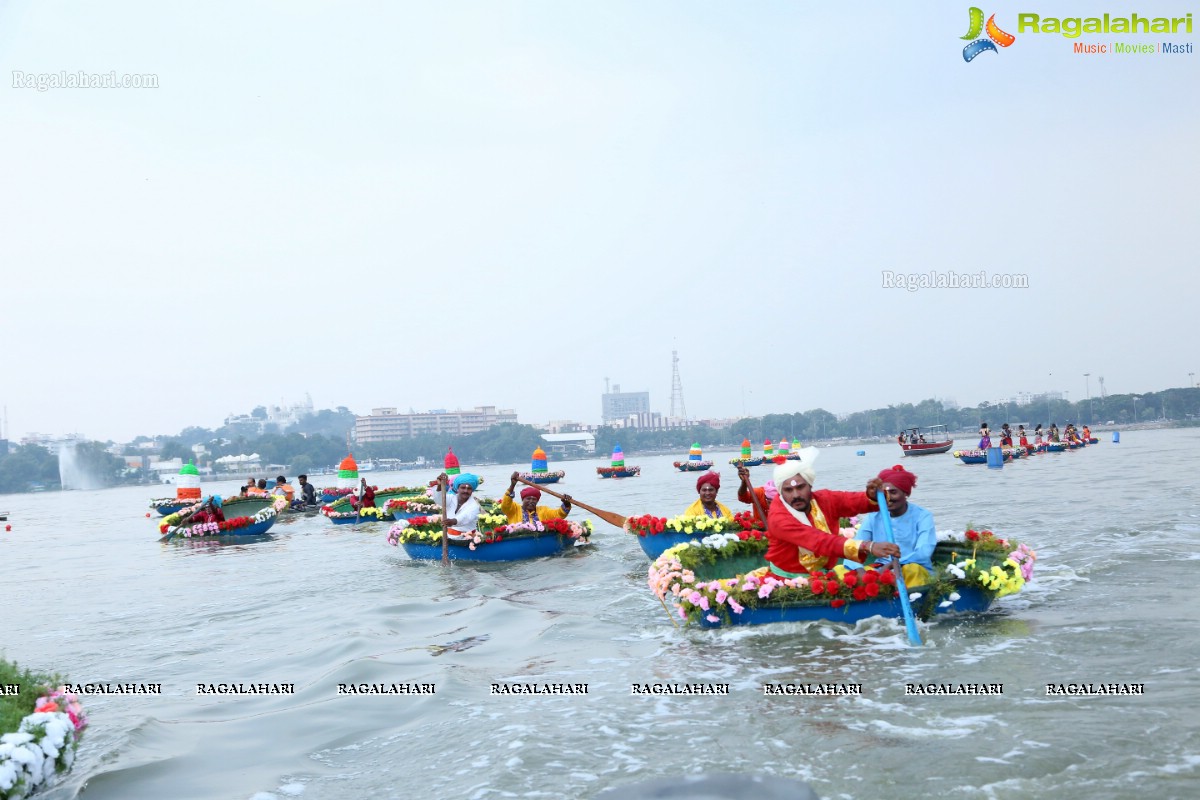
[(467, 478), (216, 499)]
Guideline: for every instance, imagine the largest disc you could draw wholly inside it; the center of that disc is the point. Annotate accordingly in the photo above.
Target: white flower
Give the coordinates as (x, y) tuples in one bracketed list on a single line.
[(914, 597), (955, 596), (945, 604)]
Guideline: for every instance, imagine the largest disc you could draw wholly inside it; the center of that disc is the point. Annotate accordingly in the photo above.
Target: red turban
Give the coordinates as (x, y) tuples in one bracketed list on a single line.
[(899, 477), (529, 491), (709, 477)]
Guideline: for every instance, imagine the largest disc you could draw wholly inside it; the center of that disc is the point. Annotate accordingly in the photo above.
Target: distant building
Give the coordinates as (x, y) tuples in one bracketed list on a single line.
[(579, 443), (617, 405), (52, 443), (385, 425)]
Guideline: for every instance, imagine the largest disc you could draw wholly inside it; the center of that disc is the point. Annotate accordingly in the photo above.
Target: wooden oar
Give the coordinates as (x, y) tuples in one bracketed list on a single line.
[(611, 517), (445, 527), (914, 636), (754, 497), (358, 514), (170, 534)]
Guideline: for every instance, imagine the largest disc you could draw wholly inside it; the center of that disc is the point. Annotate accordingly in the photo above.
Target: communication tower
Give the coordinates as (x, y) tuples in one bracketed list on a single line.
[(678, 410)]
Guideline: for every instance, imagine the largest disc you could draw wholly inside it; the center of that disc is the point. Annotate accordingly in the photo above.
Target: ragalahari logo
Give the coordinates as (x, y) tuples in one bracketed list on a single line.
[(994, 34)]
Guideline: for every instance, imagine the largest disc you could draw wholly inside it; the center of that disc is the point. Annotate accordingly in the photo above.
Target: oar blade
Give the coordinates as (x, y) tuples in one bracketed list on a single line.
[(910, 622)]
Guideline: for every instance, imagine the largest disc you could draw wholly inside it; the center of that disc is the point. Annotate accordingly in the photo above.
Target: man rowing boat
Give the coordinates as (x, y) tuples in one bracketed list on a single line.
[(799, 532), (529, 510)]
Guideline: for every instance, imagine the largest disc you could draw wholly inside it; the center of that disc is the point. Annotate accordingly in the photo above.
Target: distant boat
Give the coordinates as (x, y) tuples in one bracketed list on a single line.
[(920, 444)]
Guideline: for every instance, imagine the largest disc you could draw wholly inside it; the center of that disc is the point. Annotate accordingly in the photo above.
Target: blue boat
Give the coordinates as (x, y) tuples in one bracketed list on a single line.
[(618, 472), (509, 549), (168, 509), (654, 545), (260, 510)]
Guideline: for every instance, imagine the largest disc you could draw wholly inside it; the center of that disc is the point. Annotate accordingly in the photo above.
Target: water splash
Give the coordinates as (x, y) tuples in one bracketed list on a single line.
[(73, 473)]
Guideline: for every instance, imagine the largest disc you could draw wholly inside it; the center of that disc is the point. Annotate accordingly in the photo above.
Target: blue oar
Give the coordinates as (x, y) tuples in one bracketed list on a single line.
[(914, 637)]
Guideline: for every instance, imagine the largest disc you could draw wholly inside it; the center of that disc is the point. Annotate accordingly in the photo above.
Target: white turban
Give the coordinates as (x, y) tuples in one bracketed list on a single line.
[(803, 467)]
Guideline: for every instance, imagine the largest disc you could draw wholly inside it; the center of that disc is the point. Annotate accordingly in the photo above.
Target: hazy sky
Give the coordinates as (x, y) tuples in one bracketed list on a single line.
[(443, 205)]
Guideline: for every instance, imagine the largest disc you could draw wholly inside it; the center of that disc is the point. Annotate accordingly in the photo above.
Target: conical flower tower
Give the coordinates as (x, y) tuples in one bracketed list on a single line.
[(187, 484), (618, 468), (785, 448), (768, 450), (695, 462), (451, 463), (539, 462), (348, 473), (618, 457), (695, 456)]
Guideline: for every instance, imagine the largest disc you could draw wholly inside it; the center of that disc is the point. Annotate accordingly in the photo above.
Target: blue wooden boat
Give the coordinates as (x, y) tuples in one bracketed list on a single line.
[(654, 545), (168, 509), (509, 549), (693, 466), (1056, 447), (543, 478), (747, 462), (261, 510), (1094, 440), (618, 472)]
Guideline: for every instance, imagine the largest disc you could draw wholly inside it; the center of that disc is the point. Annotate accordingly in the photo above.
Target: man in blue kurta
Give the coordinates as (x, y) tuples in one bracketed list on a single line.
[(911, 525)]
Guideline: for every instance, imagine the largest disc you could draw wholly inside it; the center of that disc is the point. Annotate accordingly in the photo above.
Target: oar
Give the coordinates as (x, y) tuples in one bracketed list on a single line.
[(170, 534), (914, 637), (754, 498), (445, 527), (611, 517), (358, 514)]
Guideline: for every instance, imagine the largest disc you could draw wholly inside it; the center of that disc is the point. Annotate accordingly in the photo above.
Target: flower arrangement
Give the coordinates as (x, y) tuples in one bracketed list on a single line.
[(423, 505), (335, 491), (166, 501), (418, 530), (693, 466), (45, 740), (674, 573), (428, 530), (650, 525), (974, 452), (999, 565), (534, 476), (369, 513)]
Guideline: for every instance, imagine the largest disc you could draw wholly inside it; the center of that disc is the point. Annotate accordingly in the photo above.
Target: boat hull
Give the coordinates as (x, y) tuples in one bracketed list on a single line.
[(749, 462), (609, 472), (167, 511), (544, 479), (971, 600), (521, 549), (927, 449), (657, 544), (689, 466)]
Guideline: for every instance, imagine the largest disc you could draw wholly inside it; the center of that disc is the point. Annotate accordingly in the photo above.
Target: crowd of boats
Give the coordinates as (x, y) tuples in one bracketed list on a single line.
[(708, 563)]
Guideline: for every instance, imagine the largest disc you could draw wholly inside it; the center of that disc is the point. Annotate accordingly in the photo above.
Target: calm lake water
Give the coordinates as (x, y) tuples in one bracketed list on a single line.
[(88, 591)]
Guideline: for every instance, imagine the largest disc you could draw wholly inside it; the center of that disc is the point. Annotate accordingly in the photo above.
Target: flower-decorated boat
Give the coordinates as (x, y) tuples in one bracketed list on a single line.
[(977, 456), (347, 482), (387, 502), (47, 726), (785, 450), (187, 492), (658, 534), (244, 516), (494, 539), (618, 468), (1056, 447), (540, 471), (695, 461), (971, 572), (747, 457)]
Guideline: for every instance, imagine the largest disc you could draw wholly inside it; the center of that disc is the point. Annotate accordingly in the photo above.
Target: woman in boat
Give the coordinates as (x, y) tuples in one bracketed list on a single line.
[(462, 509), (1022, 437), (799, 533), (765, 494), (707, 485), (1005, 435), (1038, 437), (529, 510), (1054, 437), (1087, 433), (985, 436), (912, 526)]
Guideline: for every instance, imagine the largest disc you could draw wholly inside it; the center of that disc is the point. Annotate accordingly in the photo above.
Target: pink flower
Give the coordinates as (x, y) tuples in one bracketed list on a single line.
[(713, 618), (721, 595), (735, 605), (703, 603), (765, 590), (694, 598)]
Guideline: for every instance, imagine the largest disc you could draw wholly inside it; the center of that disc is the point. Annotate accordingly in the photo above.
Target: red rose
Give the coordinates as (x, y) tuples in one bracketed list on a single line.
[(838, 603), (818, 587), (850, 578), (872, 589), (973, 536), (870, 576), (743, 536), (860, 592), (889, 578)]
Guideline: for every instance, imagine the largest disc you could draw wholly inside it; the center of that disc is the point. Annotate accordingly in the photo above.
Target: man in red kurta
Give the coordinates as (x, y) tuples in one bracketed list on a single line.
[(766, 494), (802, 523)]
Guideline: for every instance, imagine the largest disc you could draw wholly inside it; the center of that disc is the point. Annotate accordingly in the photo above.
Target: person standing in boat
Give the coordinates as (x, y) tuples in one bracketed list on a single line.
[(707, 485), (1022, 437), (1054, 437), (985, 436), (1087, 434), (899, 439), (766, 493), (912, 526), (801, 524), (1038, 436), (1005, 436), (529, 510), (462, 509)]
